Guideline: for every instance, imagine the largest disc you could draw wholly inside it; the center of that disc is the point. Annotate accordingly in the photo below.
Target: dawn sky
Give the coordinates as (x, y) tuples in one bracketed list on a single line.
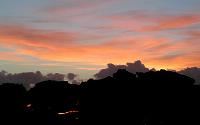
[(82, 36)]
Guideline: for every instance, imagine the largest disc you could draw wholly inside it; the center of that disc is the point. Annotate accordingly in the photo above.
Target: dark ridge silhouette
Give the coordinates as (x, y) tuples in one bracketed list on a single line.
[(49, 98), (138, 66), (151, 98), (12, 103), (193, 72)]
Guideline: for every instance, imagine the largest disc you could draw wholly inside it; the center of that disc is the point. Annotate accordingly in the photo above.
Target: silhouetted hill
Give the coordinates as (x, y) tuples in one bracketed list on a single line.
[(49, 98), (142, 98), (193, 72), (12, 103), (151, 98)]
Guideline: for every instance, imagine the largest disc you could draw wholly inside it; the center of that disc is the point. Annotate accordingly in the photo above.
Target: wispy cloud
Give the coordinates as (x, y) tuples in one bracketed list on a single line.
[(142, 21), (72, 7), (63, 47), (102, 31)]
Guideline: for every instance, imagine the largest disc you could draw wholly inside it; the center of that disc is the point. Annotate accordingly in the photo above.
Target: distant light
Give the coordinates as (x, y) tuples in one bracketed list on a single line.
[(29, 105), (72, 112), (69, 112), (61, 113)]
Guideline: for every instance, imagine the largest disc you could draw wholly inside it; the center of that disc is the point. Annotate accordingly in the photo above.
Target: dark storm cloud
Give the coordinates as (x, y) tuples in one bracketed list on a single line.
[(29, 79), (137, 66), (193, 72)]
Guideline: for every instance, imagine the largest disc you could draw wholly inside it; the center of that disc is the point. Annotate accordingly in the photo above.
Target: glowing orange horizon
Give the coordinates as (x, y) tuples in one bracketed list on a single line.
[(158, 52)]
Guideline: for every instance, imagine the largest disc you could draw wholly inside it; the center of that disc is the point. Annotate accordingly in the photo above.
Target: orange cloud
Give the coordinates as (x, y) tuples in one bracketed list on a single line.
[(173, 22), (149, 22), (10, 57), (63, 47)]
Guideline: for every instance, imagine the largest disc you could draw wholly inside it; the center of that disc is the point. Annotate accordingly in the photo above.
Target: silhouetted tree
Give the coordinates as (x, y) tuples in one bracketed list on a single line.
[(151, 98), (49, 98), (12, 103)]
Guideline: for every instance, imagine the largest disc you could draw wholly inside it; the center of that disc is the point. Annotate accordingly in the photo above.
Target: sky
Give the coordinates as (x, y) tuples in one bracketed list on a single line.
[(82, 36)]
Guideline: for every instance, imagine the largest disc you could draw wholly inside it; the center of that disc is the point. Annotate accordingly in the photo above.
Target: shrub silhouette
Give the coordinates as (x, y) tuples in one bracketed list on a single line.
[(49, 98), (145, 98), (151, 98), (12, 103)]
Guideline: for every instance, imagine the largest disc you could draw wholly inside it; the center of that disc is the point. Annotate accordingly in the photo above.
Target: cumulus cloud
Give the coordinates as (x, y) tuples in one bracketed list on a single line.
[(29, 79), (193, 72), (137, 66), (71, 76)]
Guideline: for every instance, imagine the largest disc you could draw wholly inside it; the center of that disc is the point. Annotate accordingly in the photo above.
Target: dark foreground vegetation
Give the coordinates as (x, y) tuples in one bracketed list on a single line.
[(152, 98)]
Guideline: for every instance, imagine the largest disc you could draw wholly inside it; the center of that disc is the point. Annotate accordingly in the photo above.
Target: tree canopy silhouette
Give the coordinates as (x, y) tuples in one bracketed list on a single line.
[(151, 98)]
